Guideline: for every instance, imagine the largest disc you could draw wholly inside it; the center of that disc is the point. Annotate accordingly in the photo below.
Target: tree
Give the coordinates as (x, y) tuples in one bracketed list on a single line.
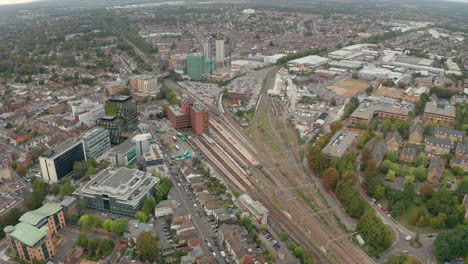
[(420, 173), (21, 170), (82, 204), (426, 189), (422, 161), (140, 216), (35, 200), (119, 226), (390, 176), (451, 243), (350, 176), (149, 205), (408, 194), (147, 248), (87, 222), (80, 168), (370, 170), (330, 178), (377, 235), (66, 189), (82, 241), (355, 75), (392, 155), (455, 169), (366, 156), (107, 224), (351, 199), (438, 222)]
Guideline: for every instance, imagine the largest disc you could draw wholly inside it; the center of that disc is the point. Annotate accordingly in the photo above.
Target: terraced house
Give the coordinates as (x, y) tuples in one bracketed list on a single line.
[(32, 237)]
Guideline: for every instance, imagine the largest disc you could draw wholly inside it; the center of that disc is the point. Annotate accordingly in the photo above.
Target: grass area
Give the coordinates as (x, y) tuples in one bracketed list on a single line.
[(405, 220), (128, 252)]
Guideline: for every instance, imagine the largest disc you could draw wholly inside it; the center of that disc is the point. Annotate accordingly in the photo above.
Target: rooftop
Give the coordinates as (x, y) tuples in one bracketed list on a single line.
[(35, 216), (26, 233), (52, 153), (439, 108), (176, 110), (125, 146), (122, 183), (340, 144), (312, 60), (120, 98)]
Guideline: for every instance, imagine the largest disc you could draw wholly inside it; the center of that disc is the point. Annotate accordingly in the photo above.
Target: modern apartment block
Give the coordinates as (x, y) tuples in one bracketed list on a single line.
[(96, 141), (118, 190), (58, 163), (439, 111), (190, 114), (198, 65), (116, 87), (31, 238), (145, 84), (121, 118)]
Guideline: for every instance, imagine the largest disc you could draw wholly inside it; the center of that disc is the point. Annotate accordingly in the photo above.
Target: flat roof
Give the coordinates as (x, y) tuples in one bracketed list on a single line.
[(108, 118), (311, 60), (120, 98), (340, 143), (439, 108), (176, 110), (199, 108), (52, 153), (124, 184), (92, 132), (124, 146)]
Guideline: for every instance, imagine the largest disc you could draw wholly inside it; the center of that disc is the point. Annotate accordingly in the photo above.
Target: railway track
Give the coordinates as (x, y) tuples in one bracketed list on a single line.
[(305, 226)]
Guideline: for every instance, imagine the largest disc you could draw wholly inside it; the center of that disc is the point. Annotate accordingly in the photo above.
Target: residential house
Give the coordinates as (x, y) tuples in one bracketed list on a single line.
[(408, 154), (461, 150), (461, 162), (378, 151), (393, 140), (438, 145), (415, 134), (239, 244), (434, 172), (447, 133)]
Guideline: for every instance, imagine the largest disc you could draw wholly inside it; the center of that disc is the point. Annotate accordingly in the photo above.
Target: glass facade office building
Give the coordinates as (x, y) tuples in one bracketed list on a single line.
[(58, 162), (118, 190), (121, 118), (96, 141)]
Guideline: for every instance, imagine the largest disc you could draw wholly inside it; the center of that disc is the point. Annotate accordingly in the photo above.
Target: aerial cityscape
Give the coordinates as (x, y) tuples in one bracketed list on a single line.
[(231, 131)]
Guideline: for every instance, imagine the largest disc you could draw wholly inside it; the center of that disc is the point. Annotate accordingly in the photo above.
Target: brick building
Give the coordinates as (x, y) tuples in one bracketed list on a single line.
[(190, 114), (408, 154), (31, 238), (439, 111), (438, 145), (415, 134)]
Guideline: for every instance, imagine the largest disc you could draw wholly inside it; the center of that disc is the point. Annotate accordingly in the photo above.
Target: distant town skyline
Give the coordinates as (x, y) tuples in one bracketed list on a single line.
[(12, 2)]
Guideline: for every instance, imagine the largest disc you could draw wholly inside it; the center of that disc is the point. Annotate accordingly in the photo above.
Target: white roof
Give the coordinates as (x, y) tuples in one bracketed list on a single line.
[(309, 60)]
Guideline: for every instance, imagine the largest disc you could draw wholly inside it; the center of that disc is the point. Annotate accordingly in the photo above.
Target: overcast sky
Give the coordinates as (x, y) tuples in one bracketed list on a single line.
[(7, 2)]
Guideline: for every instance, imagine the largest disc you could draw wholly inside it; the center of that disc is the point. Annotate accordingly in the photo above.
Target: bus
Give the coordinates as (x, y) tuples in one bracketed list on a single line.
[(183, 138), (177, 147), (160, 131), (186, 152)]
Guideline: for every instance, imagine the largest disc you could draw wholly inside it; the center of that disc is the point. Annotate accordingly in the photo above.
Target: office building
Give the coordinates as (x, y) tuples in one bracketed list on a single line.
[(143, 84), (118, 190), (124, 154), (199, 118), (96, 141), (142, 142), (58, 163), (121, 118), (31, 238), (190, 114)]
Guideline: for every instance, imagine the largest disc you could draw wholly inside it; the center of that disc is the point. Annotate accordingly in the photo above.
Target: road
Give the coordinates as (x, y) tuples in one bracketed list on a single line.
[(425, 253), (290, 200), (188, 201), (143, 56)]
